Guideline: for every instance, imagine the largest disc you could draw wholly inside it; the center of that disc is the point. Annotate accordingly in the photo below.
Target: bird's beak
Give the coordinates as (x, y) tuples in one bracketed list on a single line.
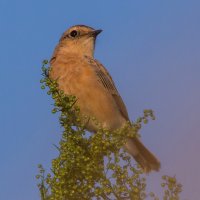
[(95, 32)]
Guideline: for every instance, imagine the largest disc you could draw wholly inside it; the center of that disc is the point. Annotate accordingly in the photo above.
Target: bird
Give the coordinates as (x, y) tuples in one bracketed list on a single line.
[(78, 73)]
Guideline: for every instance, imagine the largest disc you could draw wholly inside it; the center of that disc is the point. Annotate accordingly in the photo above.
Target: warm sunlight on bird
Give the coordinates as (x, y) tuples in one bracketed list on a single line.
[(78, 73)]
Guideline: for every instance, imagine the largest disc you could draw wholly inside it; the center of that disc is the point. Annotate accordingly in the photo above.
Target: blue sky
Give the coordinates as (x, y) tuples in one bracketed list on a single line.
[(151, 49)]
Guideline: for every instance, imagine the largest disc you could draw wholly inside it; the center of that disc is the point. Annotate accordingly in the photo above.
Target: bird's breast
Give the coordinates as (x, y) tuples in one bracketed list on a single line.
[(77, 77)]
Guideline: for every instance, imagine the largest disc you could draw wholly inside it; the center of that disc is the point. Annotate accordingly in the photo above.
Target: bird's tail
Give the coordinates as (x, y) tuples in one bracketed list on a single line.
[(142, 155)]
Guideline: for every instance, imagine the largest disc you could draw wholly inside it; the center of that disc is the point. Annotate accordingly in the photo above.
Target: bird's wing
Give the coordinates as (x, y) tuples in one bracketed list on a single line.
[(106, 80)]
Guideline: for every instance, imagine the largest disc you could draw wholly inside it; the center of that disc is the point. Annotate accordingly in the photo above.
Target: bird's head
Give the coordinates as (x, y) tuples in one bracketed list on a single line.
[(79, 39)]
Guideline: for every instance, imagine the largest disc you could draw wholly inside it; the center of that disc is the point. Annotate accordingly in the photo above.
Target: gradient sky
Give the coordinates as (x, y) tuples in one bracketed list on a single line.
[(152, 50)]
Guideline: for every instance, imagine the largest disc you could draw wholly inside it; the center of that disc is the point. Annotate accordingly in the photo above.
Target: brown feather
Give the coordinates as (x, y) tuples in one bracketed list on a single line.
[(79, 74)]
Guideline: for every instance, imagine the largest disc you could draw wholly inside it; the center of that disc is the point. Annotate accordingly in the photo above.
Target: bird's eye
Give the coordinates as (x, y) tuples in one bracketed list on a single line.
[(73, 33)]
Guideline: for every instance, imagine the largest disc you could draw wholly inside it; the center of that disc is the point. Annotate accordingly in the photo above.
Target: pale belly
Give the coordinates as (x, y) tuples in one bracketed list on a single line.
[(101, 110)]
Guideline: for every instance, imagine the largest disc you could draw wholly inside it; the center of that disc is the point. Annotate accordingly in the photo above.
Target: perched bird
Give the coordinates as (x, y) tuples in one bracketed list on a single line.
[(78, 73)]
